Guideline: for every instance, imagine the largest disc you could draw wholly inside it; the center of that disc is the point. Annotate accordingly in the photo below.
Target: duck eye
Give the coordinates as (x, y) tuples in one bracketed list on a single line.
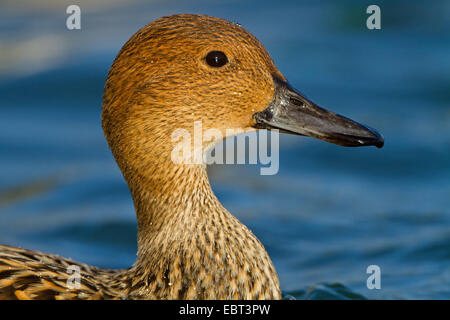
[(216, 59)]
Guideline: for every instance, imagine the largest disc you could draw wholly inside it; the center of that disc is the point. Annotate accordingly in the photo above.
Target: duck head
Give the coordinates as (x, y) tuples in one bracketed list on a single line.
[(185, 68)]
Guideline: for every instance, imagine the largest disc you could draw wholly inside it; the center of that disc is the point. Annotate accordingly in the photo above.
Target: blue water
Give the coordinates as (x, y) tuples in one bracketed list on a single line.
[(326, 216)]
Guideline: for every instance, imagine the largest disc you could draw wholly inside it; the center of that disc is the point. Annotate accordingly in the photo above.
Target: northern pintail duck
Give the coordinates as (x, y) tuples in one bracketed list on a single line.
[(174, 71)]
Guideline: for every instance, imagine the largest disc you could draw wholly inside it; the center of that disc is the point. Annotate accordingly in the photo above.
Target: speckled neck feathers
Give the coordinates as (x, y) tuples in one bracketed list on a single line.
[(190, 247)]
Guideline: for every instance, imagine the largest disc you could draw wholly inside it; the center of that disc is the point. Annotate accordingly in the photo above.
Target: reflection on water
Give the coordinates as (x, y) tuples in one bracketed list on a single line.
[(330, 211)]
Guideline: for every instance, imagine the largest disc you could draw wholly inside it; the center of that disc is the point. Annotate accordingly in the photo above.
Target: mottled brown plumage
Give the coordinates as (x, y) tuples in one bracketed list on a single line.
[(189, 245)]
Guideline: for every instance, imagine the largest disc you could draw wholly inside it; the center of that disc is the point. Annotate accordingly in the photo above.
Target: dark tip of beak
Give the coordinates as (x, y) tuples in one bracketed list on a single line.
[(377, 140), (380, 143), (371, 138)]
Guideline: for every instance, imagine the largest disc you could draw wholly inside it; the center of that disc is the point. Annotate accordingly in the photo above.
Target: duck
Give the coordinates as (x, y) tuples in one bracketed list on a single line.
[(174, 71)]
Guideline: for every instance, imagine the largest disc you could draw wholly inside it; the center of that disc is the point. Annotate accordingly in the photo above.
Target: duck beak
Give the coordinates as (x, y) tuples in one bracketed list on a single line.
[(290, 112)]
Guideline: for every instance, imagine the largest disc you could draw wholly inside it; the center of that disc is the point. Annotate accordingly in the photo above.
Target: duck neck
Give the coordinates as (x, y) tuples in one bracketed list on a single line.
[(170, 199), (189, 245)]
